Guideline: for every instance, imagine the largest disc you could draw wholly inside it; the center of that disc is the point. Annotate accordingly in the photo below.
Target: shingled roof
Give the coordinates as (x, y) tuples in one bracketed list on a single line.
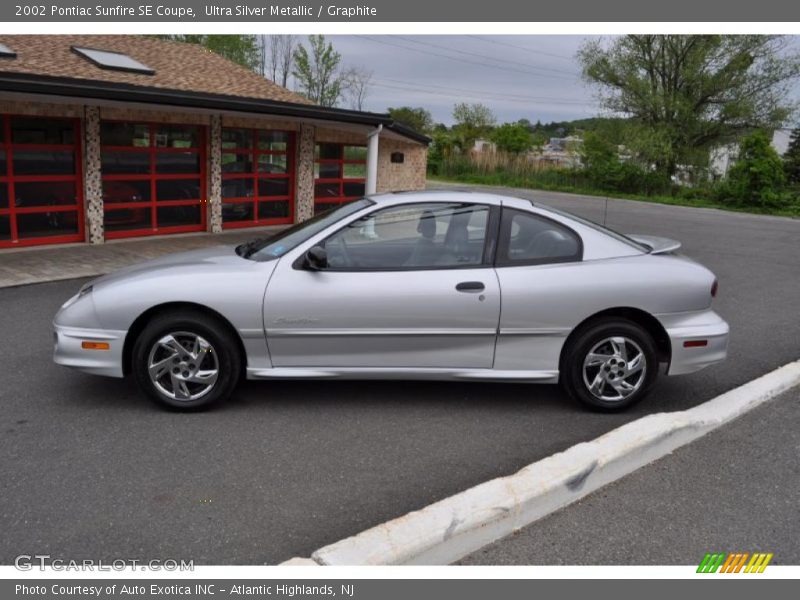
[(177, 65)]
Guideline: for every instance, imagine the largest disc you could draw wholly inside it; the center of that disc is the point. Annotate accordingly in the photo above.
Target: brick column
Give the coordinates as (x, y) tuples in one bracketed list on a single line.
[(215, 174), (304, 190), (92, 176)]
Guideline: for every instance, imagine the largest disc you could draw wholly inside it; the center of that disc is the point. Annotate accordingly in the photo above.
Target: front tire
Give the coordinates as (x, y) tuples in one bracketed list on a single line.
[(610, 365), (186, 360)]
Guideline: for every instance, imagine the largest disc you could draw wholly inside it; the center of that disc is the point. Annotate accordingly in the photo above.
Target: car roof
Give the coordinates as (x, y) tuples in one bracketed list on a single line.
[(439, 196)]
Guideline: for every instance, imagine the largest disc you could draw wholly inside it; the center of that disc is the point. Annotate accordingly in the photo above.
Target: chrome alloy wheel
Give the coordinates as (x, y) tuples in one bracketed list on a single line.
[(614, 369), (183, 366)]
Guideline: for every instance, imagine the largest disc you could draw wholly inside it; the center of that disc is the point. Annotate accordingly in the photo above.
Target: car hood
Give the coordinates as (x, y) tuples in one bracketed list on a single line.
[(204, 258)]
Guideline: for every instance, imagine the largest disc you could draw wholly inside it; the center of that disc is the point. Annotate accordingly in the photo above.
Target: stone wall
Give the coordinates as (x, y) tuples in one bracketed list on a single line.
[(405, 176), (41, 109), (92, 180), (214, 213), (260, 123), (155, 116), (343, 136), (304, 188)]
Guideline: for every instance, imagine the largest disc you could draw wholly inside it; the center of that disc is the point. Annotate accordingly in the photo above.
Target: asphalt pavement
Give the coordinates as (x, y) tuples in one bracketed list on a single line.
[(91, 469), (734, 490)]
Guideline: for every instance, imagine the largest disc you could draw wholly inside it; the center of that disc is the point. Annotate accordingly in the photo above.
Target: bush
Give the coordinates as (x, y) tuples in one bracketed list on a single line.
[(512, 137), (757, 178), (608, 173)]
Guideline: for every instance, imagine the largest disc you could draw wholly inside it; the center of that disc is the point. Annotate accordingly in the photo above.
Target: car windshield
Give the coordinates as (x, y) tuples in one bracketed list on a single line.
[(275, 246)]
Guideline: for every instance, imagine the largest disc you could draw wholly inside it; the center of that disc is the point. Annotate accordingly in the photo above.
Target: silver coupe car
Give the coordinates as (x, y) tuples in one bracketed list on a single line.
[(428, 285)]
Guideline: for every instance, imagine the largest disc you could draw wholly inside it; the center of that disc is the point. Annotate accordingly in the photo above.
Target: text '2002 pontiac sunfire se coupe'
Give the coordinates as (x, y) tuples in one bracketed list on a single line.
[(426, 285)]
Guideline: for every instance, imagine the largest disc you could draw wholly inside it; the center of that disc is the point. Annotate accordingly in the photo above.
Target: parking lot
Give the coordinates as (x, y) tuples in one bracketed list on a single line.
[(91, 469)]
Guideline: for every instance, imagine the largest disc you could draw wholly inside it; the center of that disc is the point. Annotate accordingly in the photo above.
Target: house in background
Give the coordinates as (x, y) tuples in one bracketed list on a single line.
[(561, 152), (721, 158), (105, 137), (482, 145)]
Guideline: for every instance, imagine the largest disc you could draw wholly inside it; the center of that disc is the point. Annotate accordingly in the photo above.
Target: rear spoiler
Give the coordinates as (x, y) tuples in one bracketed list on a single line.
[(657, 245)]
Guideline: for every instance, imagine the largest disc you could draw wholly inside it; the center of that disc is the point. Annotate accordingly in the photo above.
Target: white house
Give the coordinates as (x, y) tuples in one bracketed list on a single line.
[(482, 145), (722, 157)]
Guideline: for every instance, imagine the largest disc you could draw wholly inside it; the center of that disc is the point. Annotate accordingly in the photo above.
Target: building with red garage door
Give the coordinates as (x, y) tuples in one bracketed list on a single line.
[(105, 137)]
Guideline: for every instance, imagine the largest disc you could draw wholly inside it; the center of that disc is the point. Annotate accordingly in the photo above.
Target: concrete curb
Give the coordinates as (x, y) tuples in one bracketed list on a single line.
[(459, 525)]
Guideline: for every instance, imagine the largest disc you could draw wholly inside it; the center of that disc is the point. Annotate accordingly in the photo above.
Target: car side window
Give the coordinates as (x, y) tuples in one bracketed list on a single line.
[(412, 236), (527, 238)]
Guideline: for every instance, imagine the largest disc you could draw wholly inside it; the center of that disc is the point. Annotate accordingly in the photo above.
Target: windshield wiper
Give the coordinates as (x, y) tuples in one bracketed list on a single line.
[(247, 249)]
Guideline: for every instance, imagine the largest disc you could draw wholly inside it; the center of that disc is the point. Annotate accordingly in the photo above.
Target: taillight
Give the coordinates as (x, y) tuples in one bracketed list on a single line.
[(714, 287)]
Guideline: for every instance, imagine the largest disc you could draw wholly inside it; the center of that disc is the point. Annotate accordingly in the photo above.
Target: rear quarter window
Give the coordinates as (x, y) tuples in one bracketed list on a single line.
[(531, 239)]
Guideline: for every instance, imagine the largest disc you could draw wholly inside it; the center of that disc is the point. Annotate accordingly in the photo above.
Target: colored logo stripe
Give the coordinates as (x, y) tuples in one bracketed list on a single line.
[(733, 563), (758, 563), (711, 563)]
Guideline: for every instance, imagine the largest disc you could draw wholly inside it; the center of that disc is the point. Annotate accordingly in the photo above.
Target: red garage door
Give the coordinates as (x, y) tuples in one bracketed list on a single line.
[(340, 172), (257, 177), (154, 178), (40, 185)]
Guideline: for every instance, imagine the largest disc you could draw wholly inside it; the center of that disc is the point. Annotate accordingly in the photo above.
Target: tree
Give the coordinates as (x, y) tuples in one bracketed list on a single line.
[(356, 86), (526, 123), (692, 92), (417, 118), (278, 57), (241, 49), (512, 137), (473, 121), (757, 177), (442, 146), (538, 140), (791, 160), (261, 42), (597, 153), (317, 71)]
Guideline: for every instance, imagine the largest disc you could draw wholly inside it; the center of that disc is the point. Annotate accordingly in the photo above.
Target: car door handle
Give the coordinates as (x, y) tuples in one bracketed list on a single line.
[(470, 286)]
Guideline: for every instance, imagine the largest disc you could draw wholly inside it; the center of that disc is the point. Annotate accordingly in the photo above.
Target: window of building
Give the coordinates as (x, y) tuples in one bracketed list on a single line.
[(114, 61), (340, 172), (6, 52), (40, 185), (257, 177), (154, 178)]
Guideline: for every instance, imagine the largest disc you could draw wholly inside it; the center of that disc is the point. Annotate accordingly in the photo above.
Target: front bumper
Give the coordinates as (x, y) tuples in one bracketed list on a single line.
[(69, 352), (695, 328)]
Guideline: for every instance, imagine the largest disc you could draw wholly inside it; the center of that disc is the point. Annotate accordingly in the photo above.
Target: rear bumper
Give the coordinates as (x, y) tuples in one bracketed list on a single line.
[(696, 327), (69, 352)]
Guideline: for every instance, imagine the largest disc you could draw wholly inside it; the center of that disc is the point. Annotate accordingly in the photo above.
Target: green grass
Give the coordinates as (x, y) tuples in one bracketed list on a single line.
[(504, 180)]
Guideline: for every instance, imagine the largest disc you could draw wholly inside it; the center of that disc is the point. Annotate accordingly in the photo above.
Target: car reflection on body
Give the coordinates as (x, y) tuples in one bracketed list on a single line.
[(423, 285)]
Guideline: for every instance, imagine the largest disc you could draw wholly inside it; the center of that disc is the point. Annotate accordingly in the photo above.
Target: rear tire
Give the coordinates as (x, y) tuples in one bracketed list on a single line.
[(186, 360), (609, 365)]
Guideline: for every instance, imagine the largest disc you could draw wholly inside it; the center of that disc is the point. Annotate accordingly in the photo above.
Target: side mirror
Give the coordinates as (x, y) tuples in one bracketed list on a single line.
[(317, 258)]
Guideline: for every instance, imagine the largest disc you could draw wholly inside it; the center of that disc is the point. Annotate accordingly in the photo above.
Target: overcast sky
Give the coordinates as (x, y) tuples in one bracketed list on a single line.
[(532, 77)]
